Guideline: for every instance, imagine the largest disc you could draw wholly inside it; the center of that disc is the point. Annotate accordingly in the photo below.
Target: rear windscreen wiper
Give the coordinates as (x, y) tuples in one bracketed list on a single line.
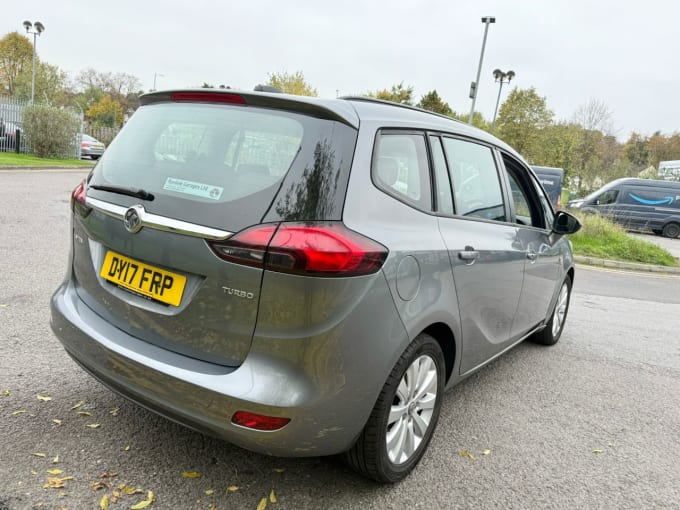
[(122, 190)]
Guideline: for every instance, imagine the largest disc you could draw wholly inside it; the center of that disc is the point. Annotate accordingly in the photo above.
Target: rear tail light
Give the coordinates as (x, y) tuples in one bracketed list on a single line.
[(84, 144), (78, 196), (258, 421), (315, 249)]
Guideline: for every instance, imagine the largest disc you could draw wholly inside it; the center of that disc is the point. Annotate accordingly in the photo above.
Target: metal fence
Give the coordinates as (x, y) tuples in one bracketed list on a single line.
[(11, 125), (101, 133), (12, 133)]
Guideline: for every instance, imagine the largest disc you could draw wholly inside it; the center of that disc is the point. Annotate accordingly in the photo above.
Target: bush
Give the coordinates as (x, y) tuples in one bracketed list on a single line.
[(51, 132)]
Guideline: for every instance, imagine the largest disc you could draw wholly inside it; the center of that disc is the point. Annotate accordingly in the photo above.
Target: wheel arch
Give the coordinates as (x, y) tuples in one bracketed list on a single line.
[(442, 333)]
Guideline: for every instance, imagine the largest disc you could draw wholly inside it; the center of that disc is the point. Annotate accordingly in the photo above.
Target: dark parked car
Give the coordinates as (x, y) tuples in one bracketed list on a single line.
[(305, 277), (8, 136), (91, 147)]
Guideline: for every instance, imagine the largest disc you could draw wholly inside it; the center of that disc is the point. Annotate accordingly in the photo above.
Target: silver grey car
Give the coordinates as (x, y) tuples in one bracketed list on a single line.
[(306, 277)]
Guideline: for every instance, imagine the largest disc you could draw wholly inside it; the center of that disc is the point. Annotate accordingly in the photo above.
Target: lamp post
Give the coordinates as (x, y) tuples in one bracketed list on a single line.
[(487, 20), (155, 75), (501, 78), (38, 28)]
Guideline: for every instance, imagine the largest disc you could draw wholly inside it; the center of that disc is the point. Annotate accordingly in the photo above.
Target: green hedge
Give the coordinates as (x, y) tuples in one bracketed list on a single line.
[(51, 132)]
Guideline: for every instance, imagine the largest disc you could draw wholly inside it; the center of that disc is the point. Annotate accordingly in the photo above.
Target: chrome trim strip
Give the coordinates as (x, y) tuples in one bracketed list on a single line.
[(160, 222)]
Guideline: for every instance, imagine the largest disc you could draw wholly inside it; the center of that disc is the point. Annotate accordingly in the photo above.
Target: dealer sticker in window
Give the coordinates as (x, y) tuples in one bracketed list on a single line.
[(197, 189)]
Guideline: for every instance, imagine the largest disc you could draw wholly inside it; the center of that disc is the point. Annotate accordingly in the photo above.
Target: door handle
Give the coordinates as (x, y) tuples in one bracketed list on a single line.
[(532, 255), (468, 256)]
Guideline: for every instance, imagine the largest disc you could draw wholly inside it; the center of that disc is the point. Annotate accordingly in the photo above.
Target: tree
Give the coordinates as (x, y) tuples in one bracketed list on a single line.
[(16, 54), (594, 118), (431, 101), (478, 120), (521, 119), (635, 150), (50, 84), (106, 112), (123, 88), (397, 94), (292, 83)]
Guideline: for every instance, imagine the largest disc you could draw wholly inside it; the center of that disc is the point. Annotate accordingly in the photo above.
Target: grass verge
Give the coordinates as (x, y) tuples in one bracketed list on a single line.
[(602, 239), (12, 159)]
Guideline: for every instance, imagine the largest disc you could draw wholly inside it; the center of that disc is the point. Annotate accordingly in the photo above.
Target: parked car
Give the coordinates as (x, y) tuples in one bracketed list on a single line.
[(8, 136), (551, 179), (637, 204), (305, 277), (91, 147)]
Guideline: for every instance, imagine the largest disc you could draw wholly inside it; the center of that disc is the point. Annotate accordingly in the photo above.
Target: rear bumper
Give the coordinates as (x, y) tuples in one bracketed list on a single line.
[(328, 394)]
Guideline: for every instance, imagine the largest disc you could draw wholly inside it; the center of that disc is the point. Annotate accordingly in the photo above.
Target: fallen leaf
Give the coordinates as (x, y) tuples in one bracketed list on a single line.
[(114, 411), (486, 452), (232, 488), (84, 413), (55, 460), (78, 405), (263, 504), (4, 305), (272, 497), (465, 453), (129, 490), (39, 454), (150, 498), (596, 450), (56, 483), (43, 398), (109, 474), (34, 472), (56, 422), (115, 496), (104, 502), (54, 471), (209, 492), (127, 448), (93, 425), (279, 470), (5, 393), (18, 411), (95, 486), (191, 474), (212, 506)]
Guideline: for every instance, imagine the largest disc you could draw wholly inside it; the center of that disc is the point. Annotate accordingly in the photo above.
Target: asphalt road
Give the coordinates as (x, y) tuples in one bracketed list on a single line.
[(593, 422)]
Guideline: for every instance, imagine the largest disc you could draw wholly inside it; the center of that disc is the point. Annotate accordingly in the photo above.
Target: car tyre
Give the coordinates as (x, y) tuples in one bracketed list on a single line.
[(657, 231), (671, 230), (95, 157), (553, 329), (405, 415)]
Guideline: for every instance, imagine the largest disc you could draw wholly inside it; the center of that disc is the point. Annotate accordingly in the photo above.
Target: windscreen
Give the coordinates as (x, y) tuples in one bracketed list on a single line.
[(216, 165)]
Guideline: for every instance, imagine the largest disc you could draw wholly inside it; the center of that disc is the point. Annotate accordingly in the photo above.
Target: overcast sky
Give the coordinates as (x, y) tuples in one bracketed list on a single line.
[(625, 53)]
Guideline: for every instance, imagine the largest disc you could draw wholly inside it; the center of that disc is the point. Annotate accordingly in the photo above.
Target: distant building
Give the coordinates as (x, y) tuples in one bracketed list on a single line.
[(669, 170)]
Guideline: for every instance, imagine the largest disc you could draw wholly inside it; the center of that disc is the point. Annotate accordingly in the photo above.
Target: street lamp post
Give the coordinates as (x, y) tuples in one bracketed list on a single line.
[(501, 78), (473, 86), (155, 75), (38, 28)]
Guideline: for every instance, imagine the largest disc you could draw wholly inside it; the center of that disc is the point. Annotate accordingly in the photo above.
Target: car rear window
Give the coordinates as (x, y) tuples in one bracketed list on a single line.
[(224, 165)]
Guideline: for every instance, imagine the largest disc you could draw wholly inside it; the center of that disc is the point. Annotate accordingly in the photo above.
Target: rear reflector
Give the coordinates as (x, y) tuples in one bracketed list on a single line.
[(313, 249), (78, 196), (208, 97), (258, 421)]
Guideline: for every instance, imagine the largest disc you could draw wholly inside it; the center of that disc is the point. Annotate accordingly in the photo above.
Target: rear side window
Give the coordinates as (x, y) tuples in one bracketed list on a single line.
[(400, 167), (231, 166), (476, 186)]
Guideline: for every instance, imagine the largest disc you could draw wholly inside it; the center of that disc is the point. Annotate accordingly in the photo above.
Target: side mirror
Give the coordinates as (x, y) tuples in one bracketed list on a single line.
[(565, 223)]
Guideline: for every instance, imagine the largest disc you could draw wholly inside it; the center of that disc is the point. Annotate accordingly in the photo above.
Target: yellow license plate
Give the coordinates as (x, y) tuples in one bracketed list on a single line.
[(150, 281)]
